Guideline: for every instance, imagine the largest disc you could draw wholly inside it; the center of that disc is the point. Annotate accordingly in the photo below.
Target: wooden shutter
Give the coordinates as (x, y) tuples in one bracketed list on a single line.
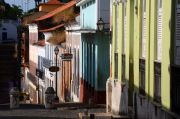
[(177, 35), (144, 29), (159, 31), (124, 29)]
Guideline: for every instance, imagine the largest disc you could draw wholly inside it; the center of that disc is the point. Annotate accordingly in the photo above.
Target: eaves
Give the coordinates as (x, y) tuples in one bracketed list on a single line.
[(82, 2)]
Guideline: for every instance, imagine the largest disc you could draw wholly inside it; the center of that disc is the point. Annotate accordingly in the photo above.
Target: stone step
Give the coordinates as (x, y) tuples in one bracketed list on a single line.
[(95, 116), (120, 117)]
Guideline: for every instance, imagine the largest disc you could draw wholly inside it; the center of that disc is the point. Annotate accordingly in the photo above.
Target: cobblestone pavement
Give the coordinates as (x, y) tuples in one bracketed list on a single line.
[(29, 111)]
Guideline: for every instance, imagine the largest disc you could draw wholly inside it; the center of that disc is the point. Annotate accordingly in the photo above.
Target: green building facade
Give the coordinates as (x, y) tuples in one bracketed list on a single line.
[(143, 56)]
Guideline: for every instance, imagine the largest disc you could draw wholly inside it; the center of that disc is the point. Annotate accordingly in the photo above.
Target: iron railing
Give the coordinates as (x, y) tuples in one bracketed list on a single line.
[(157, 82), (142, 79)]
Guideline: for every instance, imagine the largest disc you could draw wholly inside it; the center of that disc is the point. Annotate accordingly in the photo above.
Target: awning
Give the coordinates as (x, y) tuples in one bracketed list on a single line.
[(52, 28), (58, 10)]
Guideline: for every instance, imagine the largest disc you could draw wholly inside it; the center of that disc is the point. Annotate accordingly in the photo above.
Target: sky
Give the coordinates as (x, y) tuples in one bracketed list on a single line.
[(25, 4)]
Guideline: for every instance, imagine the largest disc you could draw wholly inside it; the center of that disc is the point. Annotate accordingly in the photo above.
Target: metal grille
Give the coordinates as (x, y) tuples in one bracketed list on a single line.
[(142, 79), (116, 65), (157, 82), (123, 67)]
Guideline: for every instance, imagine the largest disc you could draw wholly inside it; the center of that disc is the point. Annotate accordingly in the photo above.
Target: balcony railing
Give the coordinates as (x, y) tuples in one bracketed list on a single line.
[(157, 82), (142, 78)]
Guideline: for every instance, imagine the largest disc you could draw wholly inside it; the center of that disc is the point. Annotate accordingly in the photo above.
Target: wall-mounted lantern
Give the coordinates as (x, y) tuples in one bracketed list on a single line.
[(100, 24)]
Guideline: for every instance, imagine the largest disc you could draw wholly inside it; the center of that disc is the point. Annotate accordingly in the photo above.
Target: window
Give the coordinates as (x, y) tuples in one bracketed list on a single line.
[(116, 45), (142, 78), (41, 36), (157, 82), (143, 35), (177, 36), (4, 36), (159, 32), (123, 67), (116, 65), (124, 29), (160, 3)]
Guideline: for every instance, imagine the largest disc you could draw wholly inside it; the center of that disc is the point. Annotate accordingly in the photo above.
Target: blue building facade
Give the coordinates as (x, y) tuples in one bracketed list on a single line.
[(95, 51)]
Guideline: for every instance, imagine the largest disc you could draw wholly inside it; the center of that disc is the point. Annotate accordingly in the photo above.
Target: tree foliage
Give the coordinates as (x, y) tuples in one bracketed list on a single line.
[(10, 12)]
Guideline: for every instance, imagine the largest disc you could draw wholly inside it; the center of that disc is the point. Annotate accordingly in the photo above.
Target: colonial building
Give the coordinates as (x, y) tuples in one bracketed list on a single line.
[(8, 32), (145, 59), (52, 25), (95, 50), (73, 41)]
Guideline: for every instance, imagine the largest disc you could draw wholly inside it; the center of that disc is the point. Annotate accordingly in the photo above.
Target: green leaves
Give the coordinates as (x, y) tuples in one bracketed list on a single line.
[(10, 12)]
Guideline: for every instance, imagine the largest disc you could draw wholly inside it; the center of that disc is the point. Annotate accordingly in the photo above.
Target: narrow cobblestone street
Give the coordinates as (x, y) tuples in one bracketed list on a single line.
[(34, 111)]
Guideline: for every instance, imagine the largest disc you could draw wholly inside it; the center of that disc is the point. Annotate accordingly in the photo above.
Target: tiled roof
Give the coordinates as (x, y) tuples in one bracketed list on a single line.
[(52, 28), (54, 2), (58, 10), (30, 18)]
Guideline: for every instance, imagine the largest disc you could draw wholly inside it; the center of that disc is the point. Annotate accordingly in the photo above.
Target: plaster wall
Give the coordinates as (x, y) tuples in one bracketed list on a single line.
[(10, 27)]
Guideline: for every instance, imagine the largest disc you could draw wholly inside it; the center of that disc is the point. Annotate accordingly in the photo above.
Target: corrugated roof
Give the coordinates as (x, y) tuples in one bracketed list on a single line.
[(58, 10), (52, 28)]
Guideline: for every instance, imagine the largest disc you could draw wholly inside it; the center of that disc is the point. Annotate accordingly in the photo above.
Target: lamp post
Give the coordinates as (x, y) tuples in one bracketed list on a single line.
[(100, 24), (56, 51)]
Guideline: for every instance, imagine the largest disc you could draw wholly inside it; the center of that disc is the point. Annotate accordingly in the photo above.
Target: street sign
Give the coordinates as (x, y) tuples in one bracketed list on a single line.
[(53, 69), (66, 57)]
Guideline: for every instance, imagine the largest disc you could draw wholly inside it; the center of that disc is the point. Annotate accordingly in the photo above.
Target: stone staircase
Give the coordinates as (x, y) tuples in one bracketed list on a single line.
[(8, 70)]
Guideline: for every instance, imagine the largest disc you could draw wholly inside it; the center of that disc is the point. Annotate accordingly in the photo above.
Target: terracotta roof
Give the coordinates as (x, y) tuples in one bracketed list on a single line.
[(58, 10), (52, 2), (30, 18), (52, 28)]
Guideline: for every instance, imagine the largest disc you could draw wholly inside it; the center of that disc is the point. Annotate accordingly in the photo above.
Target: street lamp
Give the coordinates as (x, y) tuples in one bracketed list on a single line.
[(56, 51), (100, 24)]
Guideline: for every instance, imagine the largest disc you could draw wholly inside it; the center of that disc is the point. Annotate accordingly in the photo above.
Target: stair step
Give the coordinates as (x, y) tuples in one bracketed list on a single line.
[(120, 117)]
